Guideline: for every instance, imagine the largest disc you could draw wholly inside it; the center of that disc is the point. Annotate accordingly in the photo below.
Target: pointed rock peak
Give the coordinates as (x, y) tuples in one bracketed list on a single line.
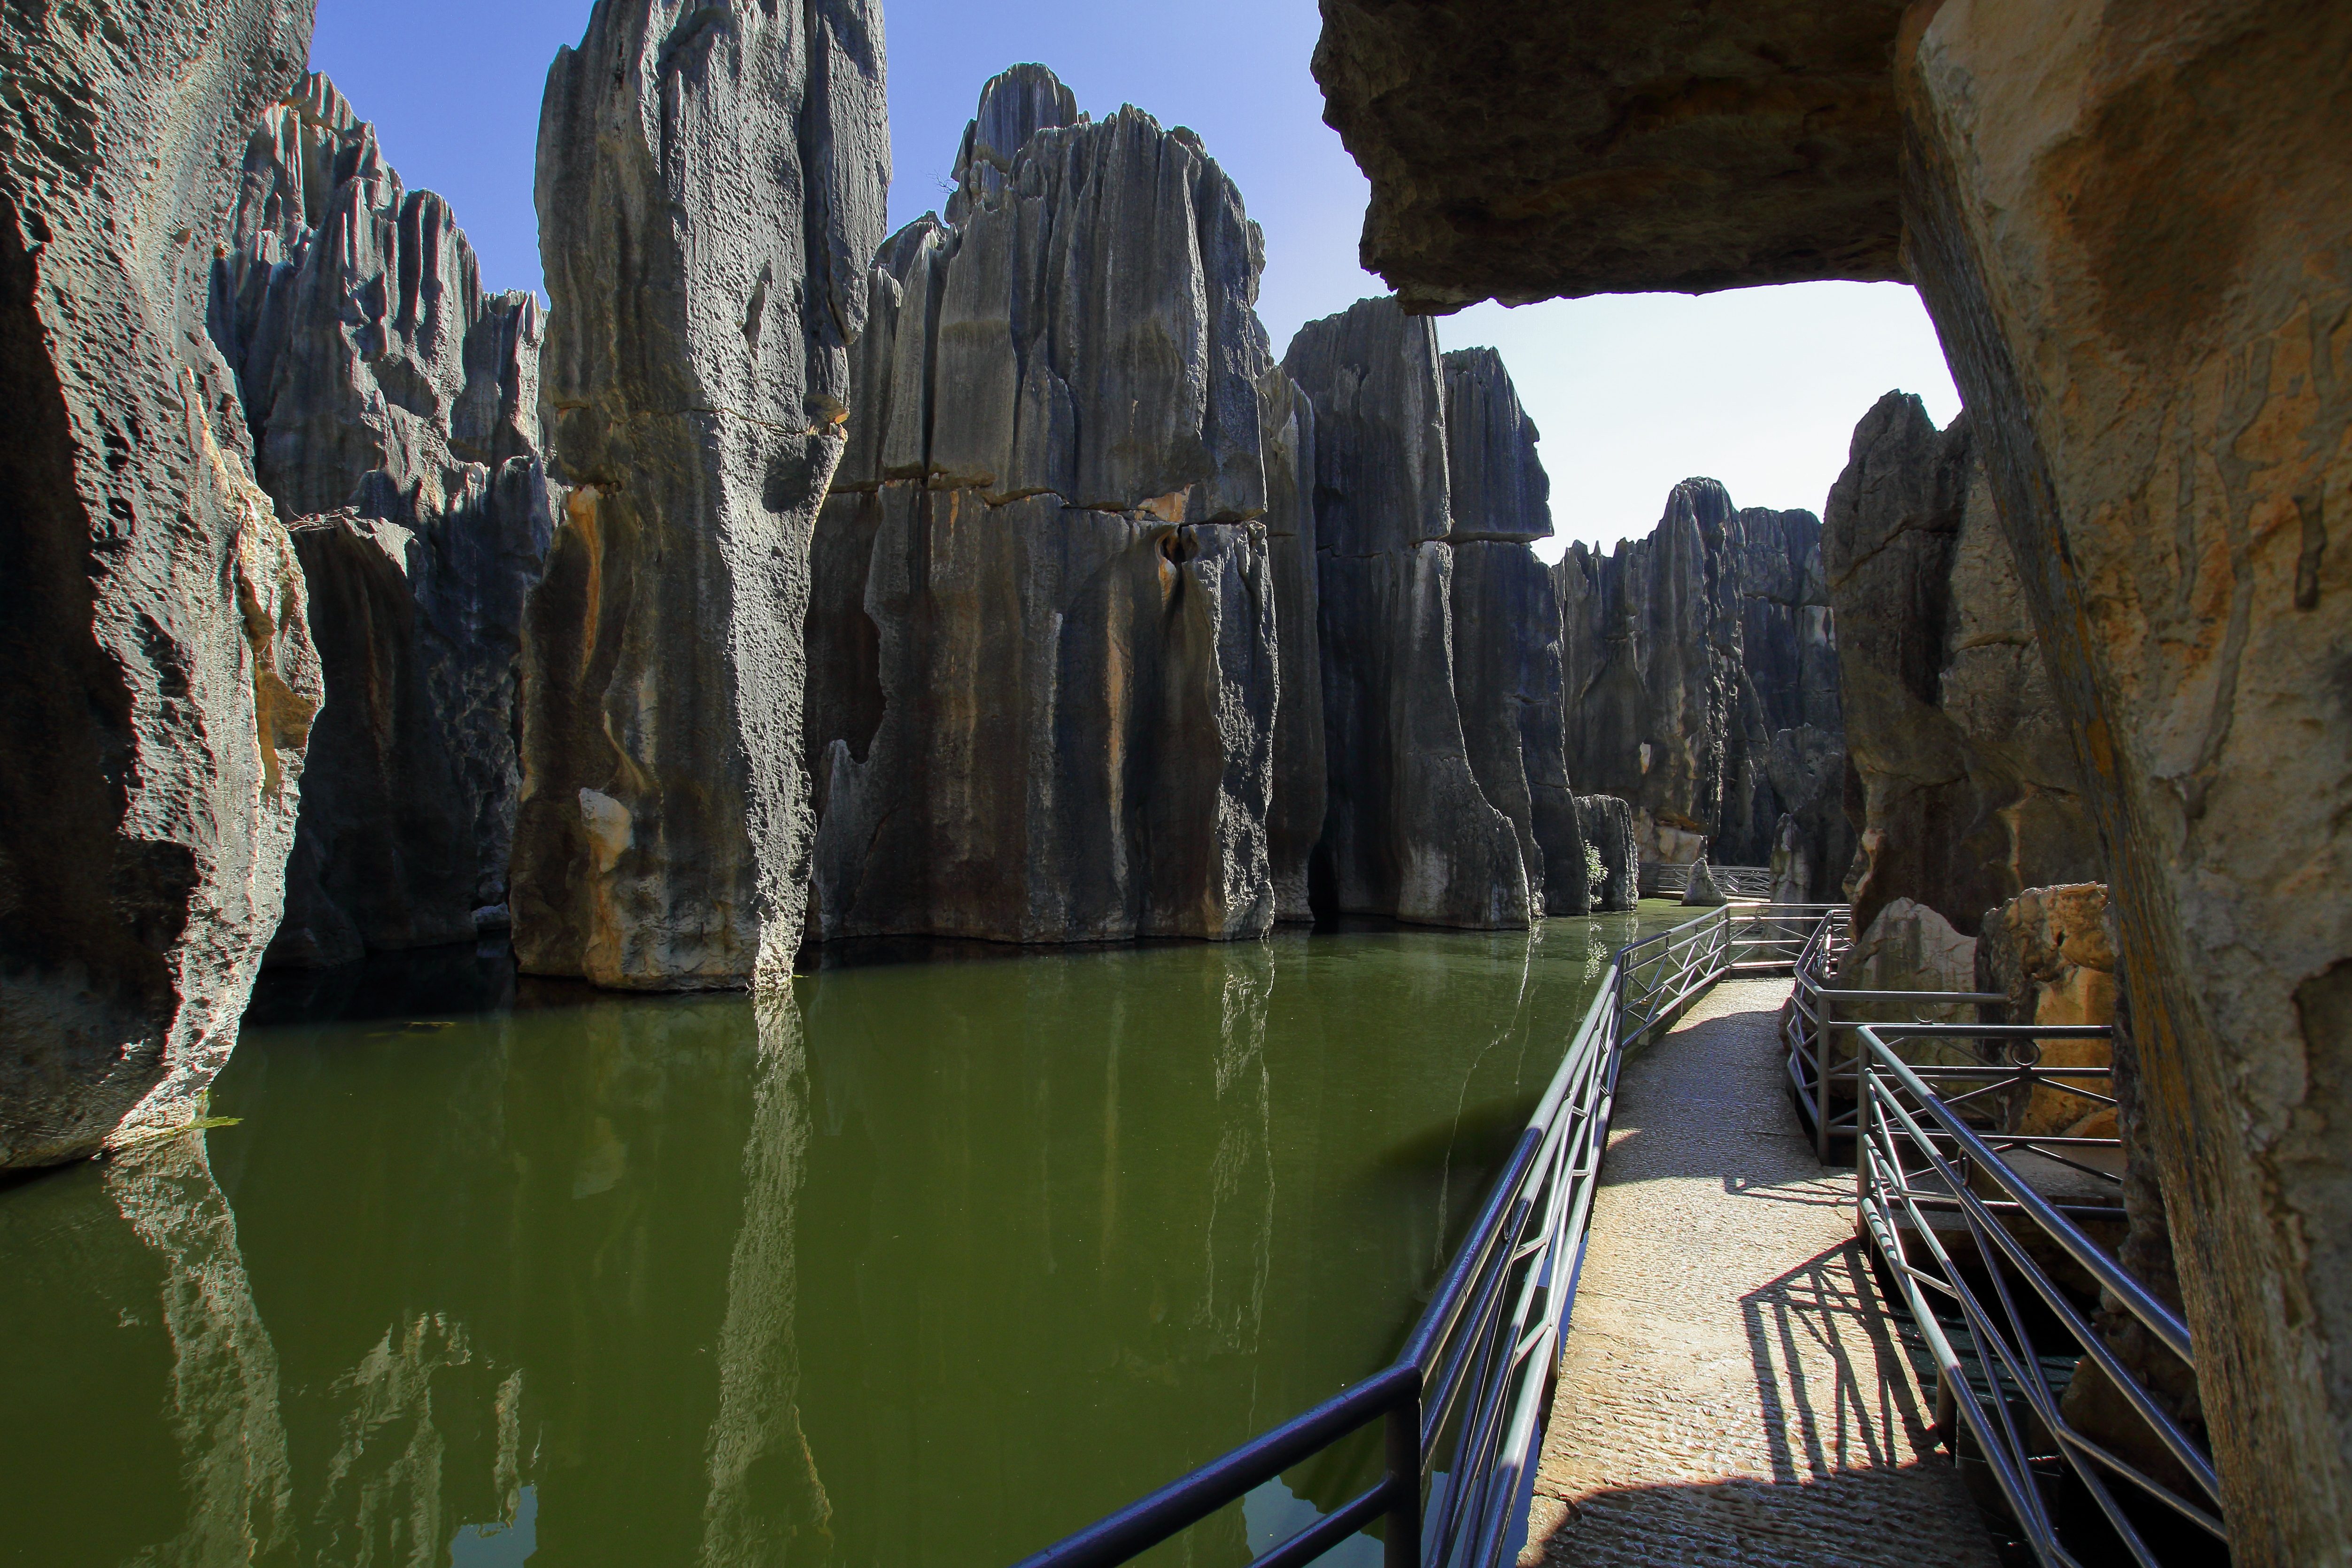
[(1500, 488), (1014, 105)]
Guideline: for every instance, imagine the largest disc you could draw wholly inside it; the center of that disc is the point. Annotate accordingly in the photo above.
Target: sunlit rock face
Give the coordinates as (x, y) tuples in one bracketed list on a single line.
[(1507, 632), (1407, 831), (1701, 679), (1969, 791), (160, 678), (1046, 663), (395, 421), (710, 186)]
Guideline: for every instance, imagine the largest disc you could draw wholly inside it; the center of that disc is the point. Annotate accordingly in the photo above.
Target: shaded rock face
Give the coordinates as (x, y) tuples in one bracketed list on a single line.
[(1664, 144), (395, 413), (1701, 684), (1408, 833), (1507, 634), (2127, 224), (1043, 649), (161, 679), (710, 186), (1970, 789), (1607, 824), (1295, 819)]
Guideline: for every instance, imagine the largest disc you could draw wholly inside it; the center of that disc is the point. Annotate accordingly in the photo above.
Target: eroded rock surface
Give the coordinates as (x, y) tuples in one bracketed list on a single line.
[(1607, 824), (1659, 144), (395, 411), (1049, 578), (710, 187), (1969, 788), (1701, 680), (160, 679), (1407, 831)]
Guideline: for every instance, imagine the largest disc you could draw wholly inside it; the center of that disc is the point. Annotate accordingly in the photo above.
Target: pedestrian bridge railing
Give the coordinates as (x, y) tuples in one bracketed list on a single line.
[(1460, 1407), (1974, 1246)]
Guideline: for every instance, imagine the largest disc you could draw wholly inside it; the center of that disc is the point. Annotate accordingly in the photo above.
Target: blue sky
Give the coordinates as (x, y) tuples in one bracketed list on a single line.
[(1759, 388)]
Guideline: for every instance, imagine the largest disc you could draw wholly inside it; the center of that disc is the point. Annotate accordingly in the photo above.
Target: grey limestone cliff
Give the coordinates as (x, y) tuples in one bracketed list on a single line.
[(1506, 627), (159, 677), (1701, 679), (1970, 790), (1043, 631), (395, 413), (710, 187), (1407, 831)]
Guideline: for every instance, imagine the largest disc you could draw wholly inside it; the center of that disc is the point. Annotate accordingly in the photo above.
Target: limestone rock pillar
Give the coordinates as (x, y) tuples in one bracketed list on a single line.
[(710, 186), (1407, 831)]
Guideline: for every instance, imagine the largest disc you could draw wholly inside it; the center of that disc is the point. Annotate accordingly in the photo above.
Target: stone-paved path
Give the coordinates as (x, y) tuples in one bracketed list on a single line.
[(1732, 1391)]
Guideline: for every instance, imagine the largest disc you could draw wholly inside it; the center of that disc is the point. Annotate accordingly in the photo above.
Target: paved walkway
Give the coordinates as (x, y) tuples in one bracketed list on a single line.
[(1732, 1393)]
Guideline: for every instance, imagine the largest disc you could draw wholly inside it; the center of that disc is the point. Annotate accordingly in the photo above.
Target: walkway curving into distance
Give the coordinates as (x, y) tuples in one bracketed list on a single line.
[(1733, 1390)]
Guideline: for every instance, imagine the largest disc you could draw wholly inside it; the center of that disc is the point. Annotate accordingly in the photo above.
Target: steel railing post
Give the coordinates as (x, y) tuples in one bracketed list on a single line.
[(1824, 1035), (1403, 1548)]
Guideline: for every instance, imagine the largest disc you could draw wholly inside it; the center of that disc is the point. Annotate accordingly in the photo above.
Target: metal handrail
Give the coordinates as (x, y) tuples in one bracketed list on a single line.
[(1480, 1360), (1899, 1109)]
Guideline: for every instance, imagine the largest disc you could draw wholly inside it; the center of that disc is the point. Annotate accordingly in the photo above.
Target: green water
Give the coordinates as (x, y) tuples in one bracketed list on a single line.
[(928, 1262)]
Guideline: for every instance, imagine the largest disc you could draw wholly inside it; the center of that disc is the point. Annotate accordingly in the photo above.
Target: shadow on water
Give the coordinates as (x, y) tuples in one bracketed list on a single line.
[(930, 1259)]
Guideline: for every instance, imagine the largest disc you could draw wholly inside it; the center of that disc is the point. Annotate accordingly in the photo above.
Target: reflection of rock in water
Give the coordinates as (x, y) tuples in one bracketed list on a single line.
[(1240, 1232), (1509, 1032), (224, 1368), (765, 1493), (383, 1495)]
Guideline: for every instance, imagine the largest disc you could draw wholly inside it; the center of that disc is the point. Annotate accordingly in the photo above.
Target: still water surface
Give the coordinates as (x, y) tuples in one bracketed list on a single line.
[(926, 1262)]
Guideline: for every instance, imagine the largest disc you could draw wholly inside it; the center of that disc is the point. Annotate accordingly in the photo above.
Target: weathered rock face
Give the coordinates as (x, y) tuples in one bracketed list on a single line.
[(2047, 950), (710, 186), (1043, 631), (2128, 225), (1687, 146), (1507, 637), (395, 411), (1607, 823), (1295, 819), (1969, 788), (1701, 680), (1700, 892), (1407, 831), (2164, 423), (160, 680)]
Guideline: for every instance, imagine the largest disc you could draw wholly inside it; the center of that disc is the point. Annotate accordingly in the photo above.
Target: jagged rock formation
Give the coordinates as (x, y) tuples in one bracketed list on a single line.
[(395, 411), (1507, 632), (710, 186), (1294, 819), (1969, 791), (1043, 630), (1701, 681), (1607, 824), (1407, 831), (2128, 225), (160, 680)]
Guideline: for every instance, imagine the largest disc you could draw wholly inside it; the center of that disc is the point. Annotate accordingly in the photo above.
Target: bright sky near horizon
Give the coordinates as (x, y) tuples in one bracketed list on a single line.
[(1759, 388)]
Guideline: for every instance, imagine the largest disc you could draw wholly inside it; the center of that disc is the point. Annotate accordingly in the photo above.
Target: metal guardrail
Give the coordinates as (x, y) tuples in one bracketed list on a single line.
[(1471, 1382), (1659, 880), (1919, 1154), (1826, 1081)]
